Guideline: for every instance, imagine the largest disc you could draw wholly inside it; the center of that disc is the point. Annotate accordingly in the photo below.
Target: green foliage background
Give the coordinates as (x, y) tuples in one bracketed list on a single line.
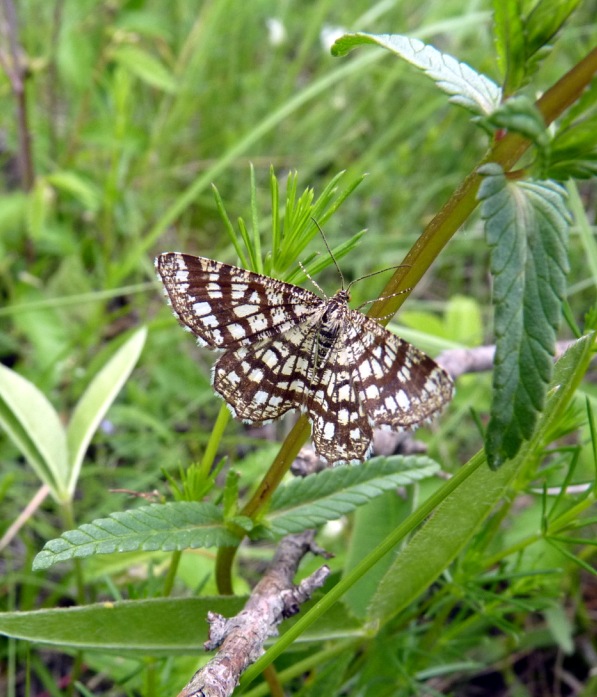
[(134, 109)]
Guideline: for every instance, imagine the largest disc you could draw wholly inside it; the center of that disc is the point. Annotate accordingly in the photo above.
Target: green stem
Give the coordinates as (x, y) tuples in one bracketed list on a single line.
[(305, 666), (68, 519), (288, 452), (224, 561), (335, 593), (461, 204), (171, 575), (214, 441), (261, 497)]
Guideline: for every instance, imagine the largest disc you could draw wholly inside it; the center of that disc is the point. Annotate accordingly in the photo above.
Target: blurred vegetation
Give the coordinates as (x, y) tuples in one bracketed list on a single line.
[(129, 112)]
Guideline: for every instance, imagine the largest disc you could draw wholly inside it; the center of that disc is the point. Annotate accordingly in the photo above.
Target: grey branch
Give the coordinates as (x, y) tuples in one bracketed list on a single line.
[(457, 362), (241, 638)]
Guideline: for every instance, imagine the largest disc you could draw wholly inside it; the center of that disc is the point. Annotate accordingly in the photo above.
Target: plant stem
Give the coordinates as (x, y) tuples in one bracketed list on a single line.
[(390, 542), (261, 497), (289, 450), (171, 575), (214, 441), (461, 204)]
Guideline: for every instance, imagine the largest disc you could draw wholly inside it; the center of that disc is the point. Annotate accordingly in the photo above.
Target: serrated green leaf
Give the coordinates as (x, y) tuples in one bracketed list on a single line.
[(96, 400), (33, 425), (509, 42), (465, 86), (527, 229), (145, 67), (520, 115), (166, 527), (309, 502)]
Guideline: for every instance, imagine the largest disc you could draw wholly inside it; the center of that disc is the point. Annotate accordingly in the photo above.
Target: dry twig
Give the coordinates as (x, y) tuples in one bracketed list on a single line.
[(241, 638)]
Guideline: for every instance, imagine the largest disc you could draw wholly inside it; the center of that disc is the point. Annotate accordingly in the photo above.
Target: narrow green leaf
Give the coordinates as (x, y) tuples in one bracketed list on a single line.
[(33, 425), (229, 227), (14, 208), (321, 261), (461, 513), (96, 401), (509, 42), (583, 224), (546, 18), (466, 87), (38, 208), (527, 229), (255, 234), (561, 628), (166, 527), (145, 67), (574, 150), (309, 502), (157, 626)]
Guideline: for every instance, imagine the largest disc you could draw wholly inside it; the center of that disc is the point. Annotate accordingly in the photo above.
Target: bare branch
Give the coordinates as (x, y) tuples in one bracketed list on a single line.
[(457, 362), (241, 638)]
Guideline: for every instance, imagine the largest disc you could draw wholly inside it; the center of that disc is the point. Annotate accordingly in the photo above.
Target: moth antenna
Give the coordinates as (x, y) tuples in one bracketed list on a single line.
[(313, 281), (384, 297), (330, 251), (375, 273)]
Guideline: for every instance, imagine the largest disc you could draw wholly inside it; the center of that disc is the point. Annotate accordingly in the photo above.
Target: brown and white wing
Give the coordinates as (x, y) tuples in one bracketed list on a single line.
[(227, 307), (341, 430), (398, 385), (265, 380)]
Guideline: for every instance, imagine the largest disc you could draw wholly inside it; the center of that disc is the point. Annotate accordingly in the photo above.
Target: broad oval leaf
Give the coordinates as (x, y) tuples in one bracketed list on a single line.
[(33, 425), (156, 626), (96, 400)]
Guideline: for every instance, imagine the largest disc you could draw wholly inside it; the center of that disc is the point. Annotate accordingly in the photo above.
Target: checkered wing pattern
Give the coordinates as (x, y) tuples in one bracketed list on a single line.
[(286, 348), (371, 379), (226, 307)]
